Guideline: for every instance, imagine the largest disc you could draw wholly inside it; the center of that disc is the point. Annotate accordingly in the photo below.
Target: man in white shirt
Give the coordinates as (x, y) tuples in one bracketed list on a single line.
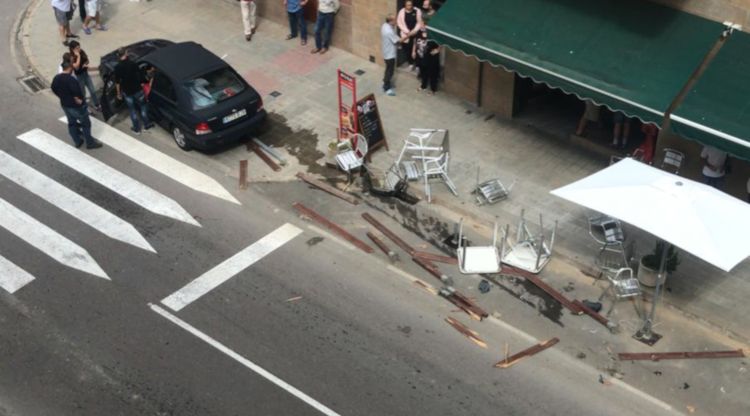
[(324, 25), (63, 9), (389, 46), (714, 161), (248, 18)]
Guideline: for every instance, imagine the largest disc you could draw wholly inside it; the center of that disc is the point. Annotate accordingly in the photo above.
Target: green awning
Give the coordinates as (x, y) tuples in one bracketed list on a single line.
[(717, 110), (629, 55)]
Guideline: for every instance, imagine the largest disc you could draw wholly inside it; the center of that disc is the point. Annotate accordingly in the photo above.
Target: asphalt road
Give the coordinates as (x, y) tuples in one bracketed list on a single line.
[(357, 338)]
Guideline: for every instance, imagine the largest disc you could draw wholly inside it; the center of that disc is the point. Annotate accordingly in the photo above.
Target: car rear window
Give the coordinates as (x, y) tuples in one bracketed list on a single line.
[(213, 87)]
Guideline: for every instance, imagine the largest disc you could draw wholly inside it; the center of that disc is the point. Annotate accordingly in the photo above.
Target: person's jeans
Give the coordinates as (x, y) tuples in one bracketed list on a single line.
[(137, 100), (85, 81), (297, 21), (390, 65), (323, 30), (717, 183), (79, 122)]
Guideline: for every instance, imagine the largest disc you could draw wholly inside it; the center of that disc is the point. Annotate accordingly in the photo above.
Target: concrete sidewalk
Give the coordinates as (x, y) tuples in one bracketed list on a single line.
[(308, 106)]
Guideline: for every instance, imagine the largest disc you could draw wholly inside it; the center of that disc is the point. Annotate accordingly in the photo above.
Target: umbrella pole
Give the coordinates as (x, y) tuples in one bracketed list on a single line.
[(645, 334)]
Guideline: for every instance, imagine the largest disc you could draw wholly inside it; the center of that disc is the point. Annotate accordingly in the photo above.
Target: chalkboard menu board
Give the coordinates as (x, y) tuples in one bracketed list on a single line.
[(369, 122)]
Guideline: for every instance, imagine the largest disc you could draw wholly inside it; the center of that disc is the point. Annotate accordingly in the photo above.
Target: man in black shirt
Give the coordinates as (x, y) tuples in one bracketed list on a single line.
[(129, 79), (68, 90)]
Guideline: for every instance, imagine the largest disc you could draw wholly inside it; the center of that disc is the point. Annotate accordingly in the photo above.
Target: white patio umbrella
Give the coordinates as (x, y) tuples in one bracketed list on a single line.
[(697, 218)]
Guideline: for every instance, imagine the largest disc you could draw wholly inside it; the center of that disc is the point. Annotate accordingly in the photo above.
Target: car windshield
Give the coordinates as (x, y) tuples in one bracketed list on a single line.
[(214, 87)]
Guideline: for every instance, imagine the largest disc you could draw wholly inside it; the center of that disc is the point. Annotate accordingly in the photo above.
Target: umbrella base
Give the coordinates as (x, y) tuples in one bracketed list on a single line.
[(649, 338)]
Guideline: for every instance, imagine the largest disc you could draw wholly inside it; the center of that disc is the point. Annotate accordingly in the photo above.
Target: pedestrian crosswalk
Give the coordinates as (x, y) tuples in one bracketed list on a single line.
[(61, 248)]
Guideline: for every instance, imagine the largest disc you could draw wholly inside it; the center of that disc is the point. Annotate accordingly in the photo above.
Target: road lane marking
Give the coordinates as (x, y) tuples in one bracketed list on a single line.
[(107, 176), (244, 361), (48, 240), (74, 204), (230, 267), (160, 162), (13, 277)]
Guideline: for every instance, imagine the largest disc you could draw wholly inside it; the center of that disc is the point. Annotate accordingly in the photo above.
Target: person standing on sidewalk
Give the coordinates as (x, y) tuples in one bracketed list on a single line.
[(427, 56), (93, 12), (409, 23), (390, 41), (63, 13), (248, 18), (67, 89), (82, 10), (295, 12), (324, 25), (80, 62), (128, 80)]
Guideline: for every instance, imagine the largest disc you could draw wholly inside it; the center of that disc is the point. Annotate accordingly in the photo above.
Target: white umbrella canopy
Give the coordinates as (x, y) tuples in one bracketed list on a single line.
[(695, 217)]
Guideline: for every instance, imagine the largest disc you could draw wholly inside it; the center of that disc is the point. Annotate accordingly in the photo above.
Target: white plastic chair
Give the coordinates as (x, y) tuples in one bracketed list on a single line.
[(351, 153), (426, 159), (529, 252), (479, 259)]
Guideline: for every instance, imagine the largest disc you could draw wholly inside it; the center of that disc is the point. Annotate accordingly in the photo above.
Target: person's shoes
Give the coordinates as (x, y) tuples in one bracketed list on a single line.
[(324, 50), (252, 31), (316, 50), (290, 37), (421, 89), (136, 131), (303, 42), (430, 92), (101, 28), (412, 68), (66, 43), (95, 144), (390, 92), (249, 37), (148, 126), (86, 30), (79, 144), (72, 36)]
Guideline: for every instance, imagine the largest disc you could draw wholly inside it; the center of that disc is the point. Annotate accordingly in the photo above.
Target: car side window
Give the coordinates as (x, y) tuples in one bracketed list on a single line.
[(163, 86)]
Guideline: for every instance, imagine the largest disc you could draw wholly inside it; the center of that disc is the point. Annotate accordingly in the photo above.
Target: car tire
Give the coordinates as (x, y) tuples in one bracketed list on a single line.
[(179, 138)]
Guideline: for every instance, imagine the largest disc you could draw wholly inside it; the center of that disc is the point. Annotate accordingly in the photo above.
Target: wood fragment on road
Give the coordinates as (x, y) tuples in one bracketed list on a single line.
[(328, 188), (656, 356), (528, 352), (468, 333), (294, 299), (263, 156), (309, 213), (435, 257)]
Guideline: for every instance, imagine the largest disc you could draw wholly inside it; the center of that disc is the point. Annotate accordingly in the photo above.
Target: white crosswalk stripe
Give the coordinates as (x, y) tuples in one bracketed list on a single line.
[(154, 159), (47, 240), (13, 277), (108, 177), (71, 202)]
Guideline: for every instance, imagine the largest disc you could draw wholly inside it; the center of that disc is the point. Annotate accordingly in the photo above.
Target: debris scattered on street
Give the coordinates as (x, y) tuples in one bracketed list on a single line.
[(528, 352), (592, 313), (386, 232), (658, 373), (468, 333), (328, 188), (656, 356), (303, 210), (392, 256), (268, 149), (690, 408), (581, 355), (263, 156), (294, 299), (243, 174), (466, 304), (484, 286), (433, 270), (435, 257), (685, 386), (571, 287), (567, 303), (426, 287), (594, 306)]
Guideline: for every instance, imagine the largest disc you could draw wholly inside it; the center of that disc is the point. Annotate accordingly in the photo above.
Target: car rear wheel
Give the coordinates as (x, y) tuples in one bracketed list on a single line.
[(180, 139)]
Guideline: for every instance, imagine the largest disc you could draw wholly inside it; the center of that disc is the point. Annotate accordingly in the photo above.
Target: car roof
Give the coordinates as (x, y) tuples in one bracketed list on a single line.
[(185, 60)]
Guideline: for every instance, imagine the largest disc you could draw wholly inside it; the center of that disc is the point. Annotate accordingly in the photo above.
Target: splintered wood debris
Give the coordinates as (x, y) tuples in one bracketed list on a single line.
[(656, 356), (426, 287), (294, 299), (468, 333), (528, 352)]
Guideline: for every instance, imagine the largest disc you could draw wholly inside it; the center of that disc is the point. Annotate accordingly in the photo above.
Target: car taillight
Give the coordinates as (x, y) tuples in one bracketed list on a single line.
[(260, 103), (202, 128)]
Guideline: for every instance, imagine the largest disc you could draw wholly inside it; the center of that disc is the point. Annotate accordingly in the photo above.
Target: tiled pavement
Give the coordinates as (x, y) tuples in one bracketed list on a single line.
[(308, 102)]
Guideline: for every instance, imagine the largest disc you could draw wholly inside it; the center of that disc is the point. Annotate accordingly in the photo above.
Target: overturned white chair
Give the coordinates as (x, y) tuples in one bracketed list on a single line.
[(479, 259), (422, 158), (530, 252)]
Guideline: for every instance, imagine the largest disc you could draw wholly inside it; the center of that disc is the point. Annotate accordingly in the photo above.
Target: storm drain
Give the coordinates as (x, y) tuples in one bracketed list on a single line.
[(32, 83)]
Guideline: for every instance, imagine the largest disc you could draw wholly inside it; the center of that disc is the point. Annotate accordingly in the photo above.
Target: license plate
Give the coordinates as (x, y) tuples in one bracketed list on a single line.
[(235, 116)]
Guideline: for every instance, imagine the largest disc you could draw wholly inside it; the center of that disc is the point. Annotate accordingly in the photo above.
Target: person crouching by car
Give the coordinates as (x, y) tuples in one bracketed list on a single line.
[(128, 80)]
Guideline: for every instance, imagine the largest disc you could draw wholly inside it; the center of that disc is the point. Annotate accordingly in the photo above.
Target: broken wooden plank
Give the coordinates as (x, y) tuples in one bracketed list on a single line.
[(435, 257), (328, 188), (263, 156), (682, 355), (381, 245), (426, 287), (243, 174), (536, 281), (592, 313), (388, 233), (528, 352), (468, 333), (333, 227), (431, 268), (465, 304)]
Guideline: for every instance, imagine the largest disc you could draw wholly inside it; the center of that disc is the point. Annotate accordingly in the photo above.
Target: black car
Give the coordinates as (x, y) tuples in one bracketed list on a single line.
[(195, 95)]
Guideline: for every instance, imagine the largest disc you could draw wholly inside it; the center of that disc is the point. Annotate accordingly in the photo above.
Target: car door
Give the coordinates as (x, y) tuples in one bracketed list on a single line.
[(163, 101)]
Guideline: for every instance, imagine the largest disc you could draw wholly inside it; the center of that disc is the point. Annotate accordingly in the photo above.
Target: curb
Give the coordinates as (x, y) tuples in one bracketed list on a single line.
[(19, 32)]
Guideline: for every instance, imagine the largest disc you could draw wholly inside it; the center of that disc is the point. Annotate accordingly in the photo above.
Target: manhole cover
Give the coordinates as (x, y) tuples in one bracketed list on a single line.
[(359, 72), (32, 83), (274, 94)]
